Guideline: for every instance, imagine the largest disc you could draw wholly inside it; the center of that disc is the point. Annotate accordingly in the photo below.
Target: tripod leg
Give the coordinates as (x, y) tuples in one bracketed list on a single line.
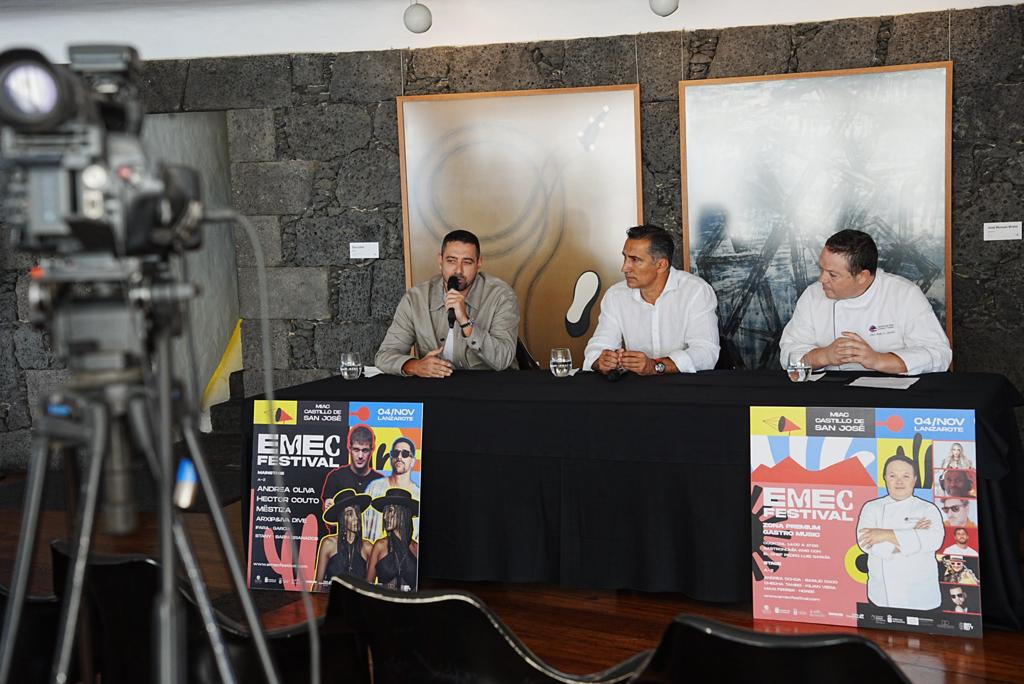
[(80, 549), (26, 546), (170, 655), (195, 577), (138, 420), (72, 487), (230, 556)]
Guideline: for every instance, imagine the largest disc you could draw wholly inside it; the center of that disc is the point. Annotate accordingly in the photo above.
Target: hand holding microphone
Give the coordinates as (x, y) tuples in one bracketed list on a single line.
[(453, 284), (456, 302)]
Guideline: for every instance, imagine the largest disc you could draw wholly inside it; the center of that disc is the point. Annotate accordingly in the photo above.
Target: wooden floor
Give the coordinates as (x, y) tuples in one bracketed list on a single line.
[(577, 631)]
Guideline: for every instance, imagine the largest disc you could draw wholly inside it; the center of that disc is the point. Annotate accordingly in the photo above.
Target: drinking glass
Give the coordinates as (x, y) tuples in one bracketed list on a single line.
[(350, 366), (797, 368), (561, 362)]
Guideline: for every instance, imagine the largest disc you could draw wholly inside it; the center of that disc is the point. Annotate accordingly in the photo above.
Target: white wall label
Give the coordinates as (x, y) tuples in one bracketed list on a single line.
[(371, 250), (1003, 230)]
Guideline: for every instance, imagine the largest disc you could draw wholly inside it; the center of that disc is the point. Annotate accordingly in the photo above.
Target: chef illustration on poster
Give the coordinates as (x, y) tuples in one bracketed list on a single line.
[(866, 517), (900, 533)]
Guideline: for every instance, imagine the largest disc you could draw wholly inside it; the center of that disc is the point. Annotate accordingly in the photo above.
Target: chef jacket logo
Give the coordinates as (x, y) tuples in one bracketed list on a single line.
[(885, 329)]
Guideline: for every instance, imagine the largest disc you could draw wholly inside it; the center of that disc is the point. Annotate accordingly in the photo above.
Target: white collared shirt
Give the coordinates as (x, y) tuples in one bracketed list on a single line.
[(682, 324), (892, 315)]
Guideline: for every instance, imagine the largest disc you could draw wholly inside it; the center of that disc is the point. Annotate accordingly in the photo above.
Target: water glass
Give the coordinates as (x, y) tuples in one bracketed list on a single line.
[(561, 362), (350, 366), (797, 368)]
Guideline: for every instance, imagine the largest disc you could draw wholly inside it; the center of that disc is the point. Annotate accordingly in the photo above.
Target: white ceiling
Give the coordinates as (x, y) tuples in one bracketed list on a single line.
[(165, 29)]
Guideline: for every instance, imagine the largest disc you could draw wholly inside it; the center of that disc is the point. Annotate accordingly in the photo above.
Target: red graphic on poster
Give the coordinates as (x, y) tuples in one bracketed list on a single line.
[(817, 511)]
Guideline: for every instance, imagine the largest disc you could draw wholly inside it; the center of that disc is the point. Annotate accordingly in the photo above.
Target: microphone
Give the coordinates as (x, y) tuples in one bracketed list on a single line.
[(453, 284), (615, 375)]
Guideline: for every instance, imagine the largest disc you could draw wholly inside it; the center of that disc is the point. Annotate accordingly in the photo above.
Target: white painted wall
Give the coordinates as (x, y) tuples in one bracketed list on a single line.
[(166, 29)]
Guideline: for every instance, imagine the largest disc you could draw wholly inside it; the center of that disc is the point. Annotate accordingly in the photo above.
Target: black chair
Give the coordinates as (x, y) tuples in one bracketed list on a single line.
[(343, 658), (726, 360), (37, 637), (118, 596), (446, 636), (695, 649), (524, 359), (120, 591)]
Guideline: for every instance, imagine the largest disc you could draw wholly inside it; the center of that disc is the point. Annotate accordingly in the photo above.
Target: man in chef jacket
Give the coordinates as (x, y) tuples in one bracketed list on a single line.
[(901, 533), (857, 316)]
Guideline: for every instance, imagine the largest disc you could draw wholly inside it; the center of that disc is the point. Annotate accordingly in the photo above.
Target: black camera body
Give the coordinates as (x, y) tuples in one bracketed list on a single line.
[(79, 192), (77, 180)]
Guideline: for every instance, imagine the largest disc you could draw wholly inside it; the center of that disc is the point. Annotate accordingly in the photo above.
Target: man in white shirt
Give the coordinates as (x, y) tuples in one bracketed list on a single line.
[(961, 547), (660, 319), (859, 317), (403, 461)]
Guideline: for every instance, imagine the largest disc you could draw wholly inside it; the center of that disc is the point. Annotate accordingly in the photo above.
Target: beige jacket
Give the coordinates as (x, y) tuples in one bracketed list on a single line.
[(422, 321)]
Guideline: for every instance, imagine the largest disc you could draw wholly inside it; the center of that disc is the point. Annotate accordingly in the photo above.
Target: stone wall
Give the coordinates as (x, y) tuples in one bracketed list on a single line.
[(314, 152)]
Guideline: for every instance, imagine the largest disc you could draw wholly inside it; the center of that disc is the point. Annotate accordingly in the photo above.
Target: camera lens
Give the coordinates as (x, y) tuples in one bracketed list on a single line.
[(30, 90), (34, 94)]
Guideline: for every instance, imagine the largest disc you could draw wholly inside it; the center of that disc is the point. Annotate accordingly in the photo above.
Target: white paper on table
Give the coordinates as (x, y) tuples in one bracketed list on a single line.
[(815, 377), (884, 383), (370, 371)]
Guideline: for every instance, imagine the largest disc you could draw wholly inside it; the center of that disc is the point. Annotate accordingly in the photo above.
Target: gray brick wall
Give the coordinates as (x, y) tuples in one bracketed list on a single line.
[(314, 152)]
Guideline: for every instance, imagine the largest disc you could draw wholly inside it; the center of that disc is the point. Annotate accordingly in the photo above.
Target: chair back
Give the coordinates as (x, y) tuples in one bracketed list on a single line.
[(119, 595), (343, 659), (695, 649), (37, 637), (524, 359), (726, 359), (435, 636), (121, 591)]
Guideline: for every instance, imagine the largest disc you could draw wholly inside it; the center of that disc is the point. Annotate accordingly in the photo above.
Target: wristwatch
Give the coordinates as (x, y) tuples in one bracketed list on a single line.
[(465, 325), (659, 367)]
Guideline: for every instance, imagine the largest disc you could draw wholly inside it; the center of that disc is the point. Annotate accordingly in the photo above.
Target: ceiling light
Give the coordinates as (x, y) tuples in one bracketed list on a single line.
[(663, 8), (417, 17)]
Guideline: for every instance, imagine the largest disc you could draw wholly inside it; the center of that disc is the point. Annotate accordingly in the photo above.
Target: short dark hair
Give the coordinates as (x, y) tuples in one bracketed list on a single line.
[(461, 236), (860, 250), (900, 458), (406, 440), (361, 434), (957, 529), (660, 241)]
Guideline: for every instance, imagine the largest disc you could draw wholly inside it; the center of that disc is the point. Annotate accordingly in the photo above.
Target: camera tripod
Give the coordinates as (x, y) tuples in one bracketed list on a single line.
[(112, 411)]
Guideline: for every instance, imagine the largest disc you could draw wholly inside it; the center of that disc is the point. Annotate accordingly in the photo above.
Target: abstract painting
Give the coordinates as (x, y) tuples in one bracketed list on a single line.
[(774, 165), (549, 180)]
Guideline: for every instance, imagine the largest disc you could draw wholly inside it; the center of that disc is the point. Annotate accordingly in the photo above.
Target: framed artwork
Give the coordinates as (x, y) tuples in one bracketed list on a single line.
[(774, 165), (549, 180)]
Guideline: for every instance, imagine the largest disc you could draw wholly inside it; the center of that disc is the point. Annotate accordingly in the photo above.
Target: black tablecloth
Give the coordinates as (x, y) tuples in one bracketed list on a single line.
[(644, 483)]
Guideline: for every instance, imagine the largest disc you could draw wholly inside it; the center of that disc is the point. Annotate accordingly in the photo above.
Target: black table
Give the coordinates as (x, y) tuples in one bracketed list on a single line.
[(644, 483)]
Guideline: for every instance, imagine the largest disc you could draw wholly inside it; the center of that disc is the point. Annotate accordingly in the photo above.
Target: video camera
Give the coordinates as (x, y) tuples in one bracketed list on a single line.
[(111, 229), (77, 179), (79, 191)]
